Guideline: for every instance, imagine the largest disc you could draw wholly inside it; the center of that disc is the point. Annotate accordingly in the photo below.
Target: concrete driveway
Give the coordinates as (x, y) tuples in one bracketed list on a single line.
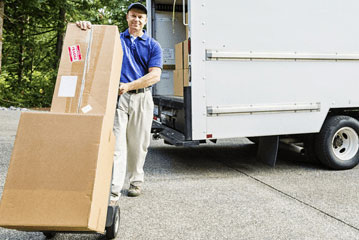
[(219, 191)]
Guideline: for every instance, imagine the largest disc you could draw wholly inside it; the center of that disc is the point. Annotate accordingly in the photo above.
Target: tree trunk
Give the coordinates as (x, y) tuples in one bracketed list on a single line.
[(20, 68), (2, 5), (60, 33)]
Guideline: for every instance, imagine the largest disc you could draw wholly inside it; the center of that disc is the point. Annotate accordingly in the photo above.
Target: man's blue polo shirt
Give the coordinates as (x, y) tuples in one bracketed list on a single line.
[(138, 56)]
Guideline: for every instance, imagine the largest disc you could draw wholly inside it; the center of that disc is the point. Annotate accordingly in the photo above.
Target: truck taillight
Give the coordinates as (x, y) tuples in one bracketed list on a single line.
[(189, 46)]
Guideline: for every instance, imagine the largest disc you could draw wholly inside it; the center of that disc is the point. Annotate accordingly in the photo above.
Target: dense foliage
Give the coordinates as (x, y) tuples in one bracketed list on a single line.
[(32, 43)]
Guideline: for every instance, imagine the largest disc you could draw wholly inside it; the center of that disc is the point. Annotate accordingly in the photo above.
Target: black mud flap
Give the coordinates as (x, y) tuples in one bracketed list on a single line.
[(268, 150)]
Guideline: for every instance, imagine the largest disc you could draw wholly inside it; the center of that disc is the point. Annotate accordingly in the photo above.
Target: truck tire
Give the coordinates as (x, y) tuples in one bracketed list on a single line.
[(337, 144), (112, 231)]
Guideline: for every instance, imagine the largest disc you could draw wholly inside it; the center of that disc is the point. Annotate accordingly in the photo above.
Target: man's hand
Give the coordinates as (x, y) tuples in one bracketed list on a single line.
[(124, 88), (84, 25)]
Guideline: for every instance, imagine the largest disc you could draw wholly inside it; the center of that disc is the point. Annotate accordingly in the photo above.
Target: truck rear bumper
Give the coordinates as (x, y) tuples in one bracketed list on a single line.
[(171, 136)]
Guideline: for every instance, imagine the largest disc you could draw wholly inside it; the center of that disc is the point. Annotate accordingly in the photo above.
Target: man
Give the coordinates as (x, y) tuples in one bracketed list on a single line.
[(141, 68)]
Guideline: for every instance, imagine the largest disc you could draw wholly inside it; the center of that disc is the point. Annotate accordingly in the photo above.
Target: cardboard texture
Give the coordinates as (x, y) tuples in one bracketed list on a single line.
[(181, 72), (185, 77), (58, 175), (60, 170), (185, 55), (179, 55), (102, 46), (181, 79), (178, 82)]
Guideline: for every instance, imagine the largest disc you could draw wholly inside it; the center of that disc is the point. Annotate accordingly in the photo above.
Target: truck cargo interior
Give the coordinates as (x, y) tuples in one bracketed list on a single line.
[(172, 96)]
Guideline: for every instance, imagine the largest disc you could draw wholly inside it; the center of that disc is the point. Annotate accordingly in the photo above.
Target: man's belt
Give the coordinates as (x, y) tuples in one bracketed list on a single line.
[(141, 90)]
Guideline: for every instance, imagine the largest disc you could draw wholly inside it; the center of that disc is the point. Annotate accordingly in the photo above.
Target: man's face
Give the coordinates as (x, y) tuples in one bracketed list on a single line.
[(136, 19)]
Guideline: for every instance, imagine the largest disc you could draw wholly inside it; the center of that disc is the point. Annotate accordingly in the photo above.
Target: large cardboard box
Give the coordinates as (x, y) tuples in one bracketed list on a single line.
[(60, 170), (59, 175)]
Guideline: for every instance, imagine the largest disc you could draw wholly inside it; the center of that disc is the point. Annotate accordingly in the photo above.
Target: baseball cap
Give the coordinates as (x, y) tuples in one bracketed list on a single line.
[(138, 6)]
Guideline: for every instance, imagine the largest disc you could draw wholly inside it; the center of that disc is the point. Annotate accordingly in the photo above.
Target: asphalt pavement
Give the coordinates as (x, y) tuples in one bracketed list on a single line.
[(219, 191)]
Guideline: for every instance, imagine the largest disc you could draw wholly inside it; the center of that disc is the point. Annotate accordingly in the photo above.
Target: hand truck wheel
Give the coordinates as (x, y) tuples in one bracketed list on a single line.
[(49, 235), (112, 230)]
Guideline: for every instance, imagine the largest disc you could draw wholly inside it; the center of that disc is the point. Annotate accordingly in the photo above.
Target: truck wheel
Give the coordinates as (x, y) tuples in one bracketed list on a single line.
[(112, 231), (337, 144)]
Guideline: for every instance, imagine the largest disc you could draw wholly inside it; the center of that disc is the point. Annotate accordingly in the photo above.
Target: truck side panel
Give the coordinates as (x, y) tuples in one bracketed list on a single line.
[(271, 67)]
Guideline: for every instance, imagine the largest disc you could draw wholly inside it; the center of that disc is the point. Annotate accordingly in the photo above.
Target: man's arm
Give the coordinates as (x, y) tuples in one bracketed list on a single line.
[(153, 76)]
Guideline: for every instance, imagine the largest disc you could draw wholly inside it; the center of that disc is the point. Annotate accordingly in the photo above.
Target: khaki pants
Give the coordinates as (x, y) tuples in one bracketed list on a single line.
[(132, 129)]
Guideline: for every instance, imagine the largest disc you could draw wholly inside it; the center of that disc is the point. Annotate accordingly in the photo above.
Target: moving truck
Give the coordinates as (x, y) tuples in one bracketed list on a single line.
[(266, 70)]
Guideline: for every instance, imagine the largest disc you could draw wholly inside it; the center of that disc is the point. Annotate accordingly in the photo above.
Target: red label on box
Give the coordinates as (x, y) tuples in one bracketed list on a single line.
[(75, 54)]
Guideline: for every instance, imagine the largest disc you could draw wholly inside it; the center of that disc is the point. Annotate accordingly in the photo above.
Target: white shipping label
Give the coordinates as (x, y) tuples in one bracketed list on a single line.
[(86, 109), (168, 53), (67, 86)]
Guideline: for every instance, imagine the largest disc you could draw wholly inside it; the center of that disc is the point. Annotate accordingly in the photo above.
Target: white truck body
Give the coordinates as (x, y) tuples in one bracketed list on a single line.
[(264, 68)]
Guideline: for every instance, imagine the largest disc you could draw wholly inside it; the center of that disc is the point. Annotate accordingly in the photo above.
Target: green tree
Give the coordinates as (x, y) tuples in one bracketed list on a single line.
[(33, 37), (2, 2)]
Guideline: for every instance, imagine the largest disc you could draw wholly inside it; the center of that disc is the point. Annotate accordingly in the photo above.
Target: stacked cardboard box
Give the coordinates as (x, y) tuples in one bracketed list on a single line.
[(60, 170), (181, 72)]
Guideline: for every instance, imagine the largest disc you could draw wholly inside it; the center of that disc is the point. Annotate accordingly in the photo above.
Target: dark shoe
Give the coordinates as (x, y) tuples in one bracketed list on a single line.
[(134, 191)]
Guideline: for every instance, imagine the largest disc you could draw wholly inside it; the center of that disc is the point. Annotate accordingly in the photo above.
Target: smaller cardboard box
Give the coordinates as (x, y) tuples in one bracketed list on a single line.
[(179, 55), (186, 77), (180, 79), (185, 54), (90, 68), (178, 82)]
